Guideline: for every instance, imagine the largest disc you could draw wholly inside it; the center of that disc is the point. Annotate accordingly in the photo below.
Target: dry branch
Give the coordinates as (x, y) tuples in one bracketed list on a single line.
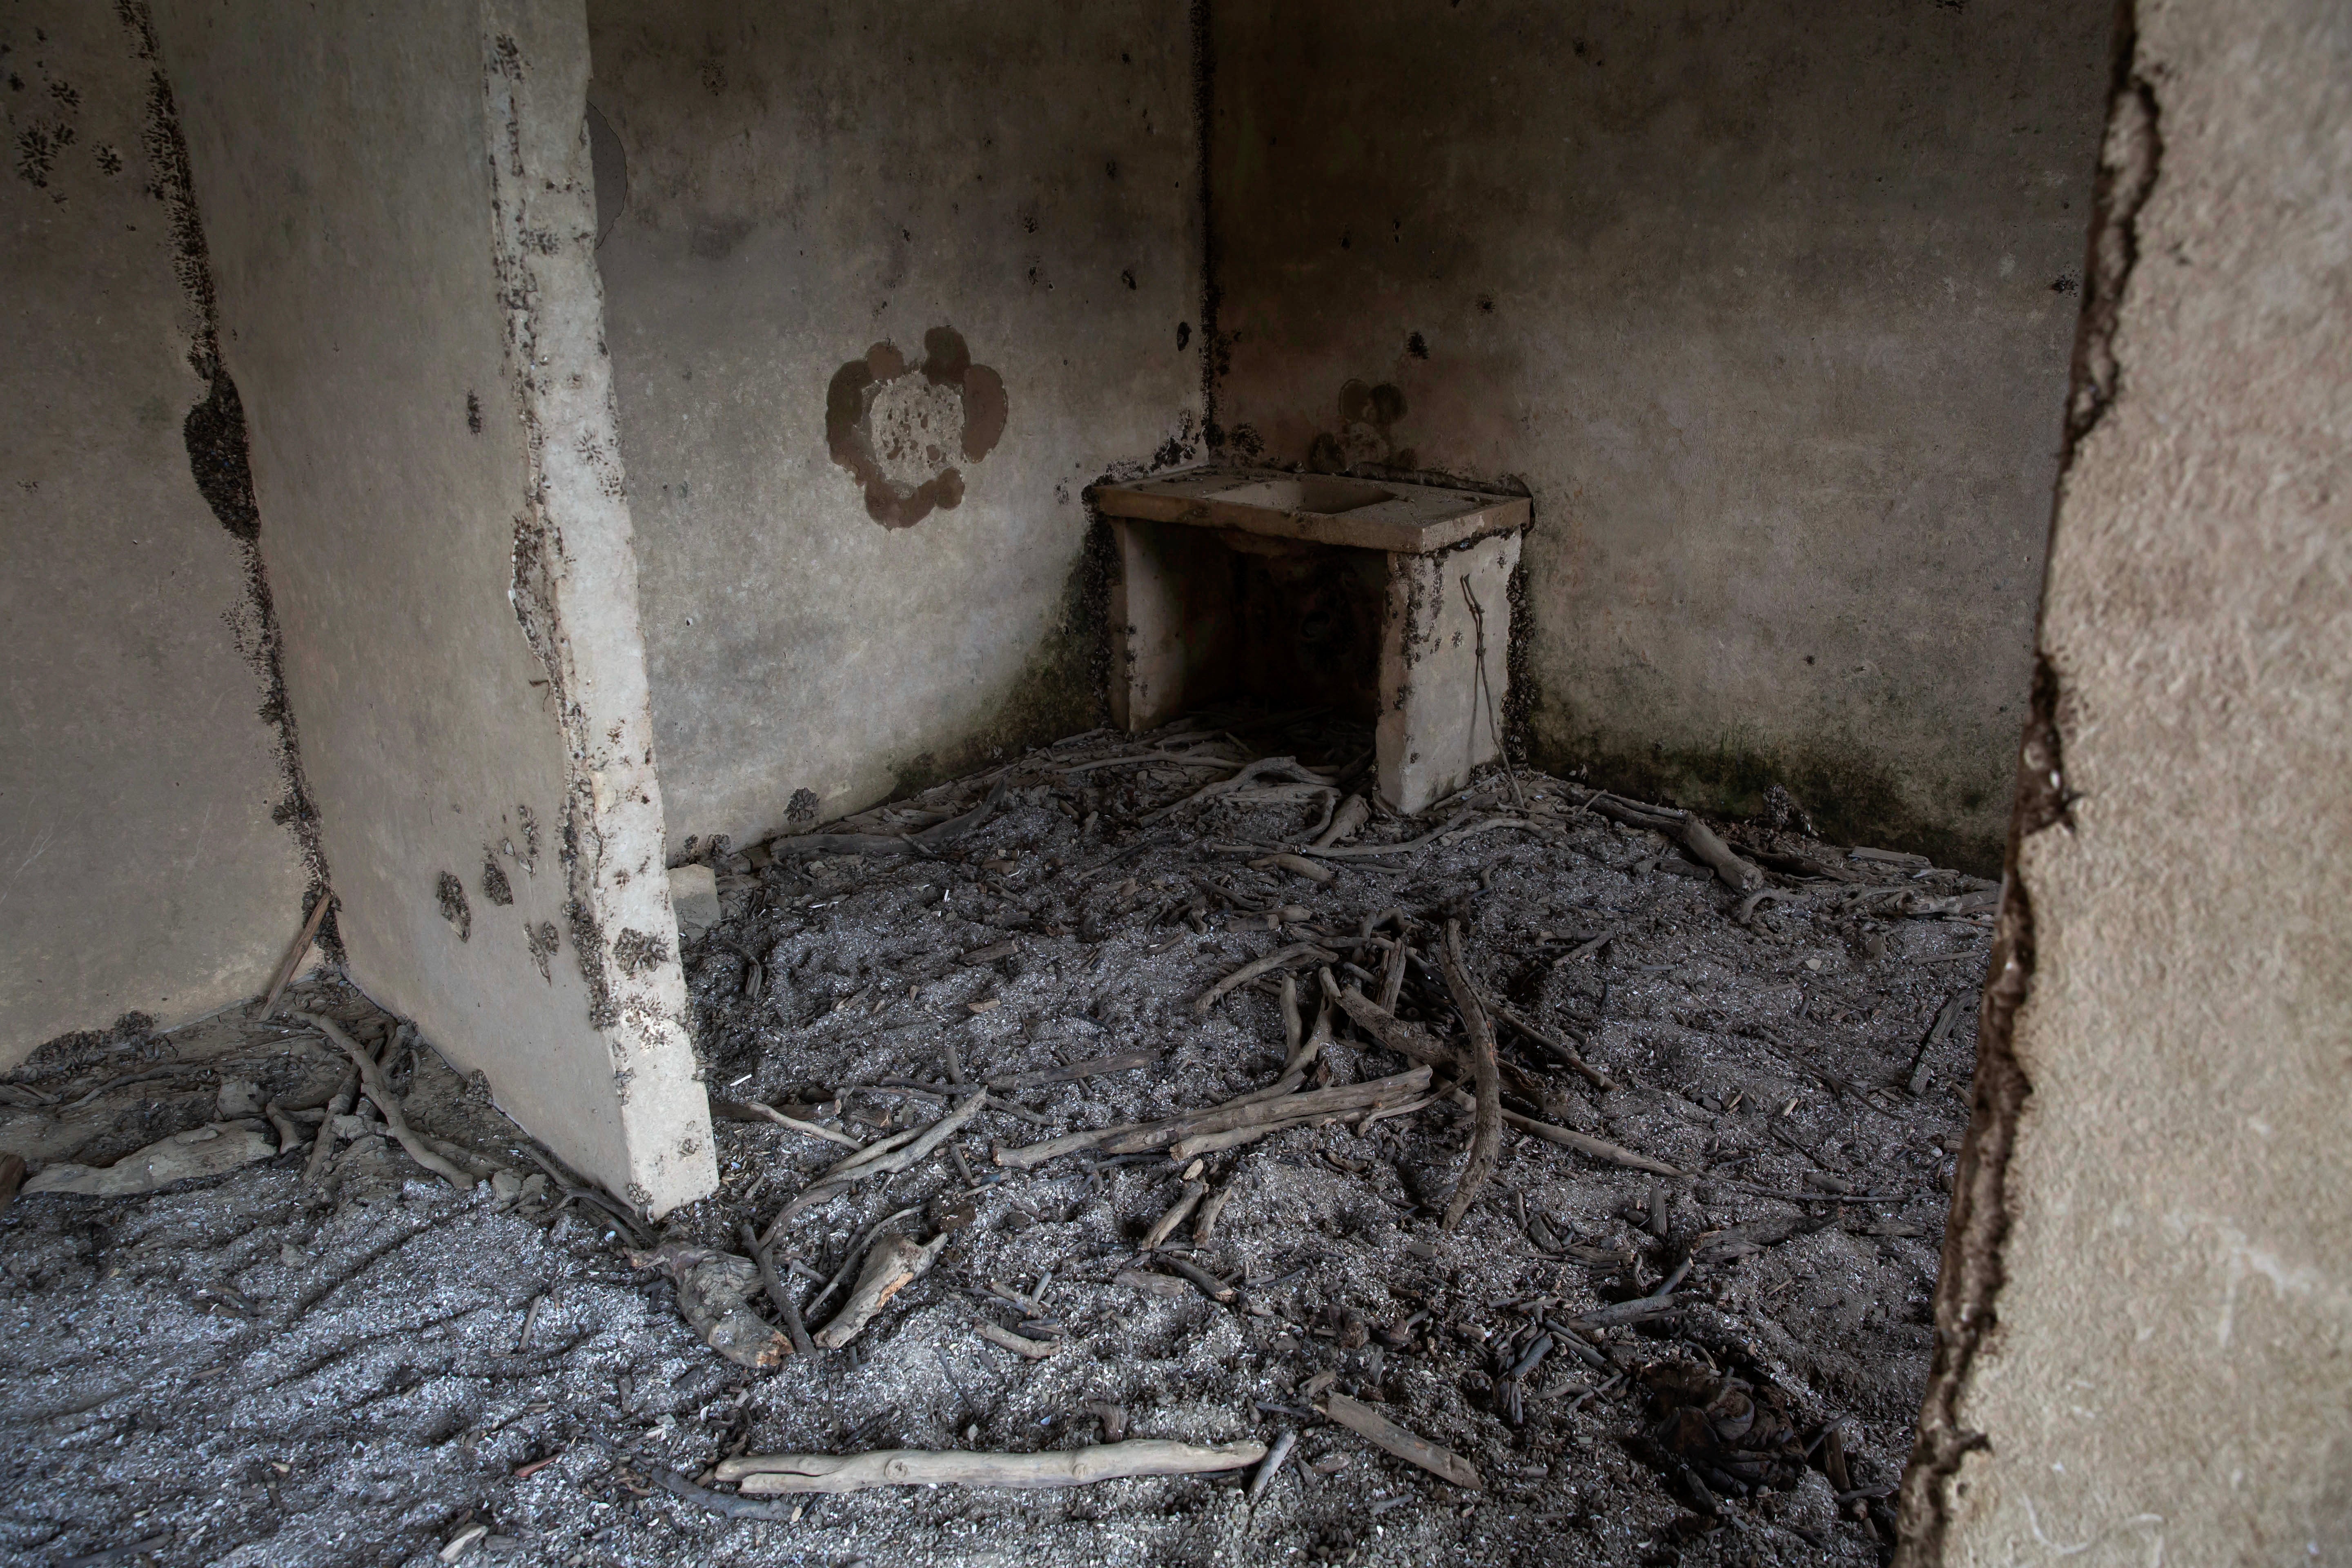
[(1165, 1227), (895, 1263), (929, 838), (1075, 1071), (1281, 958), (1367, 1423), (1138, 1137), (1487, 1124), (1558, 1048), (379, 1090), (1353, 813), (1005, 1338), (768, 1475), (1297, 864), (294, 955)]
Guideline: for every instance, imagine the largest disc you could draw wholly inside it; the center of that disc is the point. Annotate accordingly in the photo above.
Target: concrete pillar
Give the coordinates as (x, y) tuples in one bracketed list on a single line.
[(401, 225), (2143, 1327), (1438, 702)]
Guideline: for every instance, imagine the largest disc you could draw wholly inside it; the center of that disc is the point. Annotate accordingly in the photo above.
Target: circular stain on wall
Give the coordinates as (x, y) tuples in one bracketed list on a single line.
[(906, 432)]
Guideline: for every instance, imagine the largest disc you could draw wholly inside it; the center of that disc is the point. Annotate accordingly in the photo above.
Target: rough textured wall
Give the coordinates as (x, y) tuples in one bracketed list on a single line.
[(865, 568), (2144, 1323), (140, 866), (403, 230), (1766, 305)]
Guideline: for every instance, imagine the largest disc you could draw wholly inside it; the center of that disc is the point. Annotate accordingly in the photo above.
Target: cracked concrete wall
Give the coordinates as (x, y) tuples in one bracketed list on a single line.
[(141, 866), (1769, 307), (829, 616), (402, 229), (2144, 1323)]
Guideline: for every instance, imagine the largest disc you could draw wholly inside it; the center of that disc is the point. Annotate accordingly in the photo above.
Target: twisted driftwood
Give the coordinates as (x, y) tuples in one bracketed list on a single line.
[(766, 1475)]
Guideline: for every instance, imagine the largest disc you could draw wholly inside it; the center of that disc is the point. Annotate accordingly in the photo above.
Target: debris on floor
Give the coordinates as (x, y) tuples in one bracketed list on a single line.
[(1152, 1136)]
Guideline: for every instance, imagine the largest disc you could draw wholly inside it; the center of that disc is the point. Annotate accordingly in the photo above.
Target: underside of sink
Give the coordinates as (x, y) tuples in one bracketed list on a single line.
[(1323, 508)]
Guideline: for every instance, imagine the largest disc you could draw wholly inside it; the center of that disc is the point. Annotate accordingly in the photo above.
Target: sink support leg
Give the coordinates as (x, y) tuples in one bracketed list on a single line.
[(1435, 727)]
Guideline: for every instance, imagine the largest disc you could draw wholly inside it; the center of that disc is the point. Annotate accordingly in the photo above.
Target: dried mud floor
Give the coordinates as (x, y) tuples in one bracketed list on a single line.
[(241, 1370)]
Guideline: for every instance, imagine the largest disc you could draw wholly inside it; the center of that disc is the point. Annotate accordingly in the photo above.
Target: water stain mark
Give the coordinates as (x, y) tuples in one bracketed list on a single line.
[(904, 431), (1366, 437)]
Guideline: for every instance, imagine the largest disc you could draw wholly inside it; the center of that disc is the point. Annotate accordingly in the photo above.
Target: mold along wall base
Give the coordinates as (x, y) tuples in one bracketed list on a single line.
[(2145, 1317), (141, 868), (403, 227), (889, 285), (1768, 306)]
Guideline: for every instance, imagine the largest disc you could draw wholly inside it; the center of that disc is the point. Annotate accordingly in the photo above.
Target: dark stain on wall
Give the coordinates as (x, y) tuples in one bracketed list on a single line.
[(887, 422), (218, 457), (450, 894), (543, 938), (218, 460), (1366, 437), (635, 951), (495, 885)]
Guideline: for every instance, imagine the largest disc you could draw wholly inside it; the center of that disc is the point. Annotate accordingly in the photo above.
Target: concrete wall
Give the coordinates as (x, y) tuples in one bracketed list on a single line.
[(802, 186), (1768, 306), (402, 229), (140, 866), (2146, 1314)]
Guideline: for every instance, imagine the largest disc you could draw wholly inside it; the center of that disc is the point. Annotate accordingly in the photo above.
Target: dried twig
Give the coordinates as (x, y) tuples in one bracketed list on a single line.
[(1005, 1338), (1246, 1112), (786, 1308), (1367, 1423), (1271, 1465), (1165, 1226), (771, 1474), (380, 1092), (1281, 958), (1096, 1067), (895, 1263), (292, 963), (1558, 1048), (931, 838), (770, 1113), (1487, 1124)]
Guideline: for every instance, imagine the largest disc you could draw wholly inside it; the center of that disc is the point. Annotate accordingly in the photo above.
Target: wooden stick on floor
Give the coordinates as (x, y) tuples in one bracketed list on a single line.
[(1486, 1122), (379, 1090), (766, 1475)]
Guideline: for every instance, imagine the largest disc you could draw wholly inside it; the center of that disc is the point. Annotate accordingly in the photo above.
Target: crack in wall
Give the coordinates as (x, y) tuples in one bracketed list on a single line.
[(1973, 1269), (219, 461)]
